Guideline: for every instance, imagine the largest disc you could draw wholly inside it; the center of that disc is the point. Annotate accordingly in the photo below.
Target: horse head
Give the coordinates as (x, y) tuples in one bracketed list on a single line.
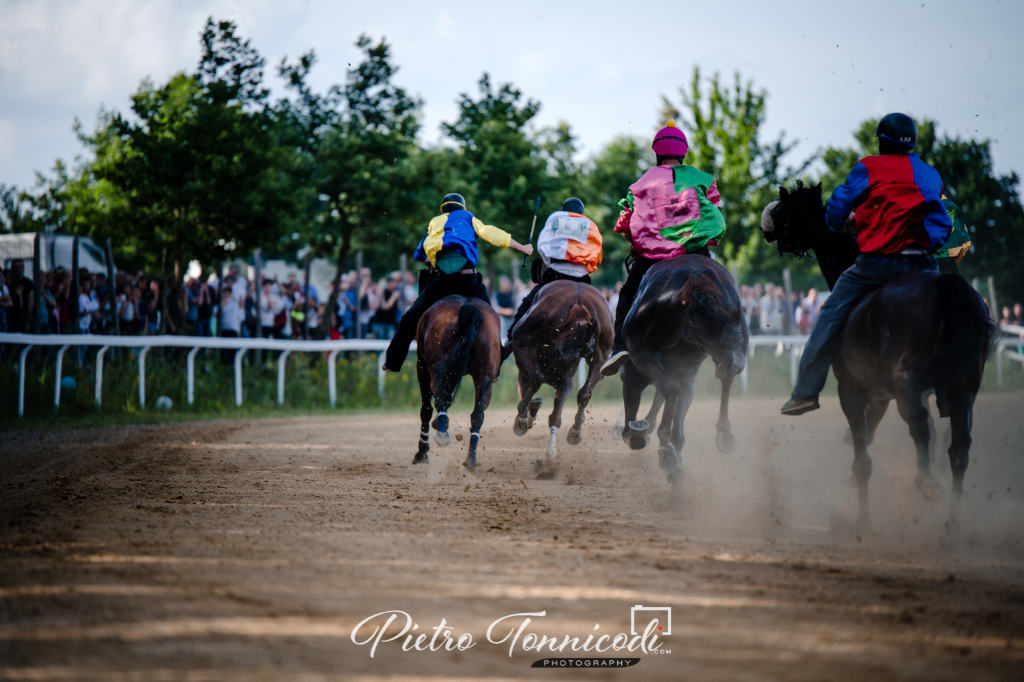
[(796, 221)]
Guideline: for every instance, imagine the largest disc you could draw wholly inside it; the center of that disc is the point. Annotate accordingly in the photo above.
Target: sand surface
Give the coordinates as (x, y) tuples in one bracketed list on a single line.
[(250, 550)]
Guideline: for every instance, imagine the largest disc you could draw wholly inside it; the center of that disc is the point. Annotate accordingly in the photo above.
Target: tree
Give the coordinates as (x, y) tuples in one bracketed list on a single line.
[(501, 166), (723, 126), (356, 143)]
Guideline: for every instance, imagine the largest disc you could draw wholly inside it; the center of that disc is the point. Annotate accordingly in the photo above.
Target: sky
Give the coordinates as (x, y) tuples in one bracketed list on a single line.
[(602, 67)]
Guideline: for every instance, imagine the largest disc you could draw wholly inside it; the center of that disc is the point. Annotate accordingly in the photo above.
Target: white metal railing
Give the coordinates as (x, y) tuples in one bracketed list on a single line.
[(240, 345), (792, 344)]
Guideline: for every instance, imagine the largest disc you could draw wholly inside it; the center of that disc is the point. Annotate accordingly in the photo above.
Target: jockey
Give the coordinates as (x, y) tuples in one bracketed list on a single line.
[(671, 211), (900, 221), (451, 249), (570, 247), (959, 242)]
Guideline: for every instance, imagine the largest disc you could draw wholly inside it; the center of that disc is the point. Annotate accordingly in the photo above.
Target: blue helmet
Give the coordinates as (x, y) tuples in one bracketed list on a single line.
[(899, 129)]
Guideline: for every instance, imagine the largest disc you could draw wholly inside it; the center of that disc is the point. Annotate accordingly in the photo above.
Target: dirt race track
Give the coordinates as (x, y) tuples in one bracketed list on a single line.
[(250, 550)]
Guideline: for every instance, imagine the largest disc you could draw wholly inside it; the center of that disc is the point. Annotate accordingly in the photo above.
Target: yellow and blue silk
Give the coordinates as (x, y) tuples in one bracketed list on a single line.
[(459, 230)]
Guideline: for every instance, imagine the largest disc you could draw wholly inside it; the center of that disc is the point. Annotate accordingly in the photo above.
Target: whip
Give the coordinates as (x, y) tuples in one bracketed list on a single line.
[(536, 210)]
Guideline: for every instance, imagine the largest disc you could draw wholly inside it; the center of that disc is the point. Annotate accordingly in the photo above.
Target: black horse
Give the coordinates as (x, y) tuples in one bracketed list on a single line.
[(920, 331), (686, 309)]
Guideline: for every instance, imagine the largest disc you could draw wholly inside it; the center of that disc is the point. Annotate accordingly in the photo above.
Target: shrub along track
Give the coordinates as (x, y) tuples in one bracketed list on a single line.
[(250, 549)]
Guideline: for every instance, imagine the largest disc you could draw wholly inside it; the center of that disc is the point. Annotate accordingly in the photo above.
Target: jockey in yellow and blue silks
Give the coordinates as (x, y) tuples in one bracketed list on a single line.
[(450, 248)]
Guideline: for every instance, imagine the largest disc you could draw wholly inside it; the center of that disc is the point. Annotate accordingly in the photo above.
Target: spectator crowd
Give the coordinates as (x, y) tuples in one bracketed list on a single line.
[(366, 307)]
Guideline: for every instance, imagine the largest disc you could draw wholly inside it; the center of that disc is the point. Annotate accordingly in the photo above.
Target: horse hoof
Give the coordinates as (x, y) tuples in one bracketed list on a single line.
[(433, 424), (848, 437), (520, 427), (421, 458), (931, 490), (470, 462), (669, 459), (637, 442), (616, 432), (675, 478), (726, 442), (442, 438), (573, 437)]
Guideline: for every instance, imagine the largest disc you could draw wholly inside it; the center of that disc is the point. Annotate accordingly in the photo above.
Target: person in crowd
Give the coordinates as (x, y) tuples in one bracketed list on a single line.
[(385, 318), (808, 312), (1018, 315), (570, 247), (88, 307), (504, 304), (770, 313), (450, 247), (369, 301), (141, 306), (409, 290), (126, 309), (5, 302), (60, 291), (693, 224), (204, 309), (22, 291), (271, 306), (154, 308), (230, 323), (191, 306), (239, 290), (900, 219)]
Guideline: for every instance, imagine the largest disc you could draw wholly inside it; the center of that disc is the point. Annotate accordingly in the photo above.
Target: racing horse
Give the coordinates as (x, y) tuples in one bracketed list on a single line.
[(686, 309), (455, 337), (920, 331), (568, 322)]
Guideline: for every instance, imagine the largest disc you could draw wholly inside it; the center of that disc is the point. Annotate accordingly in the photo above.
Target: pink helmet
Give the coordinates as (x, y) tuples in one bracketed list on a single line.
[(670, 141)]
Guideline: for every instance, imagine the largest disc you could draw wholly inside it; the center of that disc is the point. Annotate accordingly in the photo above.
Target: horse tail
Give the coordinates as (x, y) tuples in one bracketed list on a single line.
[(967, 332), (576, 340), (449, 374)]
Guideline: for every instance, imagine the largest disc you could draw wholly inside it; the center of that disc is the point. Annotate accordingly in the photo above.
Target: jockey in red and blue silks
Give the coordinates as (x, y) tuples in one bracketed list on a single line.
[(901, 221)]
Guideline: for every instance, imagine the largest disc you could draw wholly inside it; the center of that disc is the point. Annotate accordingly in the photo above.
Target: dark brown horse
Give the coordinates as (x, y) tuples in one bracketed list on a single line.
[(568, 322), (455, 337), (686, 309), (919, 331)]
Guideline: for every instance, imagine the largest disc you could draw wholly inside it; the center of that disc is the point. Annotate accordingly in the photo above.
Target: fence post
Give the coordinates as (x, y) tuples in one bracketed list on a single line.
[(380, 376), (793, 365), (280, 375), (999, 363), (332, 377), (239, 354), (787, 316), (21, 379), (99, 375), (190, 379), (60, 368), (142, 376), (994, 310)]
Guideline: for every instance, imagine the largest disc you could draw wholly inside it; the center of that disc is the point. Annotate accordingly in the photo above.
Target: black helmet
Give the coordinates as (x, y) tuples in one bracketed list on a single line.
[(899, 129), (452, 202), (573, 205)]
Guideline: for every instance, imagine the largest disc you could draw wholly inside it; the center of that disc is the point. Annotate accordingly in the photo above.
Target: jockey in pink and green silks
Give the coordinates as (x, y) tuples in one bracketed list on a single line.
[(672, 210)]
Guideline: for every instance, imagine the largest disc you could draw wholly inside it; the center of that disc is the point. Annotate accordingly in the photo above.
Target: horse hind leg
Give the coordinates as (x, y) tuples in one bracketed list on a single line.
[(426, 410), (476, 420), (855, 408), (555, 420), (724, 439), (961, 415), (575, 435), (915, 414), (527, 408), (633, 384)]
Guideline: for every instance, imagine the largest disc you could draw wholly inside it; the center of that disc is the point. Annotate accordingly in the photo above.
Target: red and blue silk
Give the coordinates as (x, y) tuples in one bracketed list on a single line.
[(898, 201)]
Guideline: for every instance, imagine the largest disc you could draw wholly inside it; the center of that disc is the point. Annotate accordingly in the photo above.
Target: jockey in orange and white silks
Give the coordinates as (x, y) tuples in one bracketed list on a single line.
[(570, 248)]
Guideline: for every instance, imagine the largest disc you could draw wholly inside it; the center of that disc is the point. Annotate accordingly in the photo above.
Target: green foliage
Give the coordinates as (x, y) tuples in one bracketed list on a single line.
[(724, 127)]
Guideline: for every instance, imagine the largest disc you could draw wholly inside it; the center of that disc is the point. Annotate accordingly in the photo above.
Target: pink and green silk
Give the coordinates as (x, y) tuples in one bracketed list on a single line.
[(672, 210)]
